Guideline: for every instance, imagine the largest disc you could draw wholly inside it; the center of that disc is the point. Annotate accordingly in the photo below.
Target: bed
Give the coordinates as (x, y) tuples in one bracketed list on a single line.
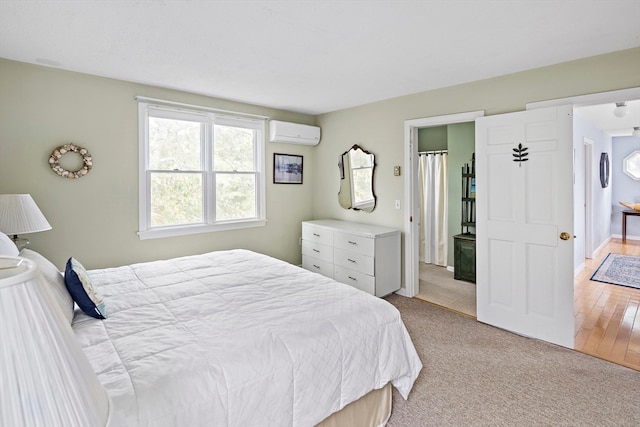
[(237, 338)]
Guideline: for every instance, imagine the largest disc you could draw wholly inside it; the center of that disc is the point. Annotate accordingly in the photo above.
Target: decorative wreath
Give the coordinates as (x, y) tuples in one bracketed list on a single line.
[(70, 148)]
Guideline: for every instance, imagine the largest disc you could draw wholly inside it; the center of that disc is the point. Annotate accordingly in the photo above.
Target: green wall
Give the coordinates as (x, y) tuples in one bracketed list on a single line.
[(461, 140), (433, 138), (95, 218)]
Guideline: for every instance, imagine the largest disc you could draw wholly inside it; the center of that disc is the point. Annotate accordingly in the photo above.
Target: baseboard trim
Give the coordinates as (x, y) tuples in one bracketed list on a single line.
[(619, 236), (402, 292), (601, 247)]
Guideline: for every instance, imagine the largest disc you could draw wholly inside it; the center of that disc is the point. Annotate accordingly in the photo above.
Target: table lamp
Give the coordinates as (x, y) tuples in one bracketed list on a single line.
[(19, 214)]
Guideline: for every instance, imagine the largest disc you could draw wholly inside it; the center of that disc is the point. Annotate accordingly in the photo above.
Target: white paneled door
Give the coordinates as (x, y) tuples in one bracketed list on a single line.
[(524, 188)]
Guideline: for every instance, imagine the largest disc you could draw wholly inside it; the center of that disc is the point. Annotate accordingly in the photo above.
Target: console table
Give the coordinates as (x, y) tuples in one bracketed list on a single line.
[(625, 214)]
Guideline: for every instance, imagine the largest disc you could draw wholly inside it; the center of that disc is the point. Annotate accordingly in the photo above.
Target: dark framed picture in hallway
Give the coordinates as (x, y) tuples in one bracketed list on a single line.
[(287, 169)]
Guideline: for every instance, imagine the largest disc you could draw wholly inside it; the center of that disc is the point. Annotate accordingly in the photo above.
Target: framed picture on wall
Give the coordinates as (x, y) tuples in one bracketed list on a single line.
[(287, 169)]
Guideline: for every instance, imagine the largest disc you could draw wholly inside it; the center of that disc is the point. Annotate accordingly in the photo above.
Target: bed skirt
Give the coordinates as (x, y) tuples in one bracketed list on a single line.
[(372, 409)]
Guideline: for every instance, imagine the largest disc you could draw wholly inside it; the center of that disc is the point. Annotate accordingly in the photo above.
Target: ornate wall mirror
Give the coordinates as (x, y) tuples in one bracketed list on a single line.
[(356, 167)]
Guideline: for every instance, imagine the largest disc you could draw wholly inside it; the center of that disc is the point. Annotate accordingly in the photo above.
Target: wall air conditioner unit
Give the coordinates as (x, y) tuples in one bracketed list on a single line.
[(293, 133)]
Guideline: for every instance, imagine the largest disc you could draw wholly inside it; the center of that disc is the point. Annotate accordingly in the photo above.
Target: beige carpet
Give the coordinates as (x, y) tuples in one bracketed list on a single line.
[(478, 375), (438, 286)]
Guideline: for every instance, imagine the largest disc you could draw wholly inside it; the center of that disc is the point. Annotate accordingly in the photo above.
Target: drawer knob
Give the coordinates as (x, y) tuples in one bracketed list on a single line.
[(351, 260), (353, 243), (315, 250), (353, 278), (316, 266), (316, 234)]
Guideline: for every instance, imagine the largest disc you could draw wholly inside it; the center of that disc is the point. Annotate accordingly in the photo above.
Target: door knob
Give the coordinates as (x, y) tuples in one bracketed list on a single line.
[(565, 236)]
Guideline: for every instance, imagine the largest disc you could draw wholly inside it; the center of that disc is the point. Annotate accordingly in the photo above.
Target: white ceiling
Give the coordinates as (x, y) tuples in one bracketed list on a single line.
[(602, 117), (312, 56)]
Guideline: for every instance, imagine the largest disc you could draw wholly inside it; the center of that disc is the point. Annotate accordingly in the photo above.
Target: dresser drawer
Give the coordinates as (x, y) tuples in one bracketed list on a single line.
[(317, 234), (317, 250), (361, 281), (317, 265), (354, 261), (355, 243)]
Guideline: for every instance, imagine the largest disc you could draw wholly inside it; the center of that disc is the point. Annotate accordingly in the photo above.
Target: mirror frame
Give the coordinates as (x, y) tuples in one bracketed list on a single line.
[(343, 175)]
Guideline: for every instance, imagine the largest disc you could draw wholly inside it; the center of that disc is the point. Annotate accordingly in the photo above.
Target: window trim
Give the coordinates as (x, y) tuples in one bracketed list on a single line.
[(212, 117)]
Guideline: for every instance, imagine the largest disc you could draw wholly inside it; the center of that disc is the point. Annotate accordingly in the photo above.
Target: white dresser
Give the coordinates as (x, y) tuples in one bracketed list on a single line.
[(364, 256)]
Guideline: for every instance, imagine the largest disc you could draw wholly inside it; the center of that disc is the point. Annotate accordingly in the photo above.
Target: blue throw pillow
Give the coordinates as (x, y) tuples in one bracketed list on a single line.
[(82, 290)]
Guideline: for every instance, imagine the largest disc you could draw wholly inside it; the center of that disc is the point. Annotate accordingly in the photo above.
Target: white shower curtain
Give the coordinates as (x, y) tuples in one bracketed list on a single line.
[(433, 208)]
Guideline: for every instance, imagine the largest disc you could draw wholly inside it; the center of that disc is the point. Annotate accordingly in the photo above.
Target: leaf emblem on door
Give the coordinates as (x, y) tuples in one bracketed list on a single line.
[(520, 154)]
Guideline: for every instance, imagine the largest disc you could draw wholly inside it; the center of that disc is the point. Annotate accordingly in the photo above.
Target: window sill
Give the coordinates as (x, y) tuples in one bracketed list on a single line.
[(161, 232)]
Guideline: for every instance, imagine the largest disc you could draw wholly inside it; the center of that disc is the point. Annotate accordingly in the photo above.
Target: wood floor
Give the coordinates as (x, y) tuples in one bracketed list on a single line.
[(608, 316)]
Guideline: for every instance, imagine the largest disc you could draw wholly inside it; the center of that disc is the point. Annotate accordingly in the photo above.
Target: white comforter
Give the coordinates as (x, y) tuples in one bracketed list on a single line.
[(240, 339)]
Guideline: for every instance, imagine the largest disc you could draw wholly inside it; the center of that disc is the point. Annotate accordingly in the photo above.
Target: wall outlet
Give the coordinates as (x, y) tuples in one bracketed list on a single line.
[(397, 204)]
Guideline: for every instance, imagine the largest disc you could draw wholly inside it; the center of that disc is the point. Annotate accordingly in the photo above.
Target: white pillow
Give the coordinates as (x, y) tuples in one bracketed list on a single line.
[(7, 247), (55, 279)]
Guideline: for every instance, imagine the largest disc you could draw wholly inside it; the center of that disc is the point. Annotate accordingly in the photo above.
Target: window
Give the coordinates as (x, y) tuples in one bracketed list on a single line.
[(631, 165), (200, 171)]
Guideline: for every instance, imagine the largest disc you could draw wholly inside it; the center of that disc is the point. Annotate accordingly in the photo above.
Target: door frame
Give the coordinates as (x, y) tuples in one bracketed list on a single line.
[(588, 197), (411, 237), (412, 213)]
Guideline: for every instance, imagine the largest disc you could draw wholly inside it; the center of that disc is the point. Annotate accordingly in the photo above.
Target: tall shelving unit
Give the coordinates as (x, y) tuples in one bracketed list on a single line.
[(468, 217), (464, 244)]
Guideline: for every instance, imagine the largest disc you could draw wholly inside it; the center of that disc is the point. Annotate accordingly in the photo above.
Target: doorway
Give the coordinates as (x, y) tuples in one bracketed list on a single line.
[(444, 152), (412, 262), (411, 126), (412, 197)]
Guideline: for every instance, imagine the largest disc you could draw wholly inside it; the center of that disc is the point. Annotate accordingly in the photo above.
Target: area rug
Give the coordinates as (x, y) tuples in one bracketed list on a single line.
[(618, 269)]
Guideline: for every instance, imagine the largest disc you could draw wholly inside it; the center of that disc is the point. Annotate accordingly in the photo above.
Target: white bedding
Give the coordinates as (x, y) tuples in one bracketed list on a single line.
[(240, 339)]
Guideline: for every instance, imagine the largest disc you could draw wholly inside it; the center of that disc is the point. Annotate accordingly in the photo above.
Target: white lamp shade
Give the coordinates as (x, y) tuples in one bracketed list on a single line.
[(46, 378), (19, 214)]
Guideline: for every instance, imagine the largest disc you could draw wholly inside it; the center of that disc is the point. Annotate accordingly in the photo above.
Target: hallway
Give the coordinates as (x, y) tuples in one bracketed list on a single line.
[(608, 316)]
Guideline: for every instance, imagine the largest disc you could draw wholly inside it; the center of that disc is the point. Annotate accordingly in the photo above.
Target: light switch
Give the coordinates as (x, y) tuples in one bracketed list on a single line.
[(396, 172)]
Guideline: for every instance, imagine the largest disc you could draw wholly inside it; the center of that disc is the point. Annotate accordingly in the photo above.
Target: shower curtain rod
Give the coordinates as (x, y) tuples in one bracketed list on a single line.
[(420, 153)]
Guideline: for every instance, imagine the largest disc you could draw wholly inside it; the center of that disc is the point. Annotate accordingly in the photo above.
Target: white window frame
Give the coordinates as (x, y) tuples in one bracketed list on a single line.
[(210, 118)]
